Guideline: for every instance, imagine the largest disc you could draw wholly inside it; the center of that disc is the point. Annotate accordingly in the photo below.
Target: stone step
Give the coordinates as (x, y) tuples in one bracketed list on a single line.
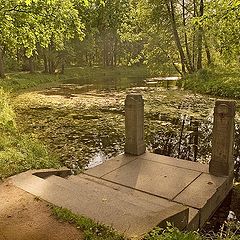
[(193, 219), (130, 213), (92, 195), (143, 200)]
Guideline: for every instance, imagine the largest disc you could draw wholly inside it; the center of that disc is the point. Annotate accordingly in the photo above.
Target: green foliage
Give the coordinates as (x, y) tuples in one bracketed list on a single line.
[(159, 49), (165, 35), (95, 231), (28, 25), (7, 116), (216, 81), (222, 22), (112, 35), (19, 152), (229, 231), (172, 233), (15, 82), (92, 230)]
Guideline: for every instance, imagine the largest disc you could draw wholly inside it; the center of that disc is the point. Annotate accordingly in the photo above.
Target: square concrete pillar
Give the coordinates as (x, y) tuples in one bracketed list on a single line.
[(134, 125), (222, 163)]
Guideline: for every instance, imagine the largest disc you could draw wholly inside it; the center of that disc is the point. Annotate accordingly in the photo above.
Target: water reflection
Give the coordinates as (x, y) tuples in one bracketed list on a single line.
[(73, 87), (164, 82), (181, 137), (96, 160)]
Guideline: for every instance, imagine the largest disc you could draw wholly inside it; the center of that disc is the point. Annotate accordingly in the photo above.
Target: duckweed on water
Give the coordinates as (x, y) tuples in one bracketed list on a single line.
[(84, 127)]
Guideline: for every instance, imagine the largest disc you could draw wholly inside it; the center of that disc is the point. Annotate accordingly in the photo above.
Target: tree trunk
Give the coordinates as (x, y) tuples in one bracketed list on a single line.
[(63, 68), (31, 65), (105, 51), (86, 58), (115, 51), (208, 53), (194, 36), (2, 73), (200, 39), (189, 57), (170, 8), (51, 66), (51, 59), (45, 60)]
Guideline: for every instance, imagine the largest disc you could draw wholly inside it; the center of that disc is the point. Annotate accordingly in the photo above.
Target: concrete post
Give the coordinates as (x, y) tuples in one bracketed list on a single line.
[(134, 125), (222, 163)]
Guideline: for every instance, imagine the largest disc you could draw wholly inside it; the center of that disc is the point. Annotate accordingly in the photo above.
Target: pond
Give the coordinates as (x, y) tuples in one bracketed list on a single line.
[(82, 120)]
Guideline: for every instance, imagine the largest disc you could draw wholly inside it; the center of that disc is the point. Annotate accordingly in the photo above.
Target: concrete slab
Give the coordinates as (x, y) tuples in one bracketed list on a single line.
[(152, 200), (110, 165), (206, 193), (196, 166), (131, 214), (134, 194), (185, 182), (193, 219), (153, 177)]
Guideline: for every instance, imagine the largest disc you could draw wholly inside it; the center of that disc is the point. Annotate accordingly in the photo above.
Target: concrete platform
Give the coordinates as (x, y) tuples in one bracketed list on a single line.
[(134, 194), (180, 181)]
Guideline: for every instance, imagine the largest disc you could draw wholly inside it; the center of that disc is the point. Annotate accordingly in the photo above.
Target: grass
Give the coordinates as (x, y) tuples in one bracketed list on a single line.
[(96, 231), (172, 233), (229, 231), (19, 152), (91, 230), (216, 81), (19, 81)]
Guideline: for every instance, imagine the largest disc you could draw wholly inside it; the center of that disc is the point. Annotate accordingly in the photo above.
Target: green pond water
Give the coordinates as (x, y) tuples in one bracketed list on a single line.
[(82, 120)]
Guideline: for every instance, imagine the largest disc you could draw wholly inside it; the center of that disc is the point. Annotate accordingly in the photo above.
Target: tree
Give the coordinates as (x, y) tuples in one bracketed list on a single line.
[(177, 25), (221, 19), (111, 33), (34, 24), (58, 22)]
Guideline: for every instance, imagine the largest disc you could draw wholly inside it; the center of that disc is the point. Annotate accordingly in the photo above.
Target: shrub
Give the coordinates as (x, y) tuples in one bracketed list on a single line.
[(19, 152)]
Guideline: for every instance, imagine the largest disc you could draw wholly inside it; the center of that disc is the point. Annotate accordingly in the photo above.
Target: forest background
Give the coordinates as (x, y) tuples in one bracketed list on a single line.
[(181, 36)]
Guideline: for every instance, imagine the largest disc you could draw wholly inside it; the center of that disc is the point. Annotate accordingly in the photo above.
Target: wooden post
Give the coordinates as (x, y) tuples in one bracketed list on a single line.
[(134, 125), (222, 163)]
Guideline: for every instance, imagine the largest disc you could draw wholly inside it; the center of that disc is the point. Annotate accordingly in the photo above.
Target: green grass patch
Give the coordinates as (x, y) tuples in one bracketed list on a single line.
[(229, 231), (19, 81), (19, 152), (91, 230), (216, 81), (172, 233)]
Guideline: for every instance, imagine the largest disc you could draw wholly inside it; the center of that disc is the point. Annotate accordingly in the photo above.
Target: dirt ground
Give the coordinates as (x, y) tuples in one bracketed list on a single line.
[(23, 217)]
